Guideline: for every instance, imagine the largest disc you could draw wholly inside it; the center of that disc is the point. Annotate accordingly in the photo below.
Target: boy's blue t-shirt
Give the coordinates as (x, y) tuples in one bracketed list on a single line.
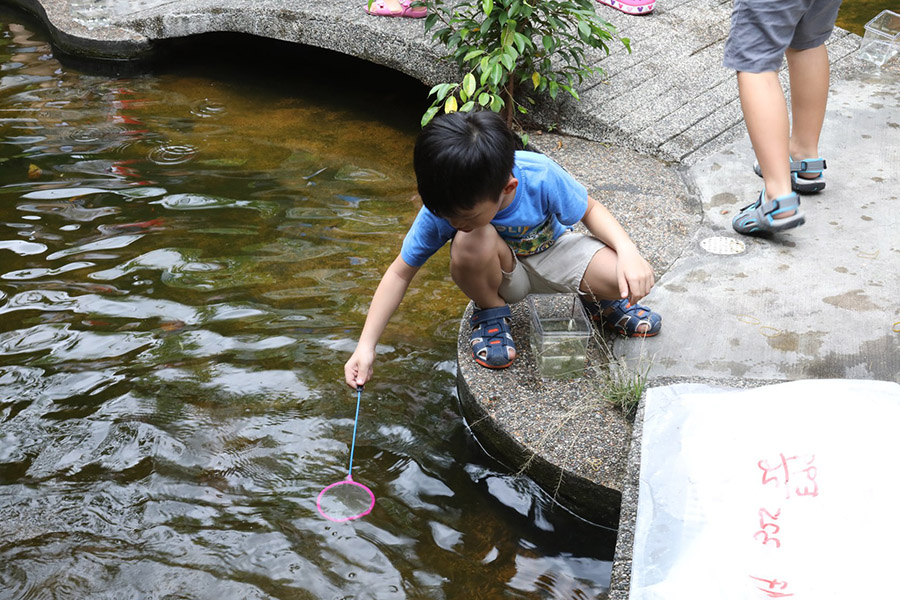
[(548, 202)]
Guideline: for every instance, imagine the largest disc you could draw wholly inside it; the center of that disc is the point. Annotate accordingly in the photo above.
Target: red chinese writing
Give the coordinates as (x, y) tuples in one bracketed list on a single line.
[(796, 474), (768, 529), (773, 587)]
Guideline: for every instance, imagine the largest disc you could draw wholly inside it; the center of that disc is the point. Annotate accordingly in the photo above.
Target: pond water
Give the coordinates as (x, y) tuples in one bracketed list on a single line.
[(854, 14), (186, 258)]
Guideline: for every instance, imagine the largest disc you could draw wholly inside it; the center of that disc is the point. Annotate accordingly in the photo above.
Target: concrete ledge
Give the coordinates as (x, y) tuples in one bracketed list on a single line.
[(560, 432), (341, 26), (110, 43)]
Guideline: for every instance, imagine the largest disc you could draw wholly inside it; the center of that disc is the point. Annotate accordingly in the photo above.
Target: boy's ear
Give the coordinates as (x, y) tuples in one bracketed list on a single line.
[(511, 185)]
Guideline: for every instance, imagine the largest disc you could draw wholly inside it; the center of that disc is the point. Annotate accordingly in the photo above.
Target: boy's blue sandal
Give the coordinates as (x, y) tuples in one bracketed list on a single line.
[(624, 318), (804, 185), (491, 339), (759, 217)]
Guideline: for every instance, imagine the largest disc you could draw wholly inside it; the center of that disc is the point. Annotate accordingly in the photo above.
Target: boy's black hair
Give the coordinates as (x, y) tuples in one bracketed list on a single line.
[(462, 159)]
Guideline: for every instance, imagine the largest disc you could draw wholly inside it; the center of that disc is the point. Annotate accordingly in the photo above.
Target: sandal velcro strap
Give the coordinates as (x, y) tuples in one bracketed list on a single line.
[(480, 315), (781, 204), (812, 165)]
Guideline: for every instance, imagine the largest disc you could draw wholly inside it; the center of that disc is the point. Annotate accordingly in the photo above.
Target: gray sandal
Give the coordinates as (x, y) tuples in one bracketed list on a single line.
[(804, 185), (759, 217)]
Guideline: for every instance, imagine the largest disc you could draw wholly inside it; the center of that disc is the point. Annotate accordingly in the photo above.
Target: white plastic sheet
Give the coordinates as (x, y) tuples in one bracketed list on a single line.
[(785, 491)]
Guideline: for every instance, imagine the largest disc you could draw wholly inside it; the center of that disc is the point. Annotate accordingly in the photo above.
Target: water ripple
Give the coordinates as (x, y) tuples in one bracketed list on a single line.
[(70, 211), (22, 248), (199, 202), (110, 243), (53, 342), (207, 108), (173, 154)]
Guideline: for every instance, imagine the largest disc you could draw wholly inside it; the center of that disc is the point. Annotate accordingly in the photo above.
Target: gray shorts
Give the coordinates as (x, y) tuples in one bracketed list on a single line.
[(557, 270), (761, 30)]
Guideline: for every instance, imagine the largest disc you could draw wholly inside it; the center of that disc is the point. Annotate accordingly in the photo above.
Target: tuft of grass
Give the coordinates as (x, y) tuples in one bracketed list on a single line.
[(622, 385)]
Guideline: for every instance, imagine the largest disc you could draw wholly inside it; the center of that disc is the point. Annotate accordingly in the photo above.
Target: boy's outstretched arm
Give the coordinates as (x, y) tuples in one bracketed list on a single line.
[(388, 295), (633, 273)]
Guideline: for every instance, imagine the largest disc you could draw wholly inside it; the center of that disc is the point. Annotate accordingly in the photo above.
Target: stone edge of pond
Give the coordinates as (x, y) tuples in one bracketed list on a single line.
[(342, 26), (560, 432), (108, 43)]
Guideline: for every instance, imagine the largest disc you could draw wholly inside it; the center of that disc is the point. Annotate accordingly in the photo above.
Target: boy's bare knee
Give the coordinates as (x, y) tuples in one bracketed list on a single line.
[(474, 247)]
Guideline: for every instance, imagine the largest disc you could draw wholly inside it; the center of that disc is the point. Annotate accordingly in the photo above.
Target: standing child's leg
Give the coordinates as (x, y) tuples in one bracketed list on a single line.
[(809, 94), (765, 113)]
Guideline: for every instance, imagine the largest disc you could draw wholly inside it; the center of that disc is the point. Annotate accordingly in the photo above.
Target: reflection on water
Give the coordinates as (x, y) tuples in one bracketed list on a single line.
[(185, 262), (854, 14)]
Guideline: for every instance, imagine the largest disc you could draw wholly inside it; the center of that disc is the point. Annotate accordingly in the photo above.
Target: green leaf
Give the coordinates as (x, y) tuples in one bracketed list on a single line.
[(554, 89), (584, 30), (524, 137), (484, 98), (468, 106), (468, 84), (488, 6), (497, 103), (521, 42), (547, 42), (450, 105), (508, 62), (429, 114), (497, 74), (473, 54), (443, 91)]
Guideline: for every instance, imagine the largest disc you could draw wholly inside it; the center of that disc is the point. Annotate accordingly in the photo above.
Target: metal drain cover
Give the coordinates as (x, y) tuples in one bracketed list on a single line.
[(723, 245)]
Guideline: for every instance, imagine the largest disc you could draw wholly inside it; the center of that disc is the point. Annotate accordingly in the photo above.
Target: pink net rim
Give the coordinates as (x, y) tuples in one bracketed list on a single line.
[(347, 481)]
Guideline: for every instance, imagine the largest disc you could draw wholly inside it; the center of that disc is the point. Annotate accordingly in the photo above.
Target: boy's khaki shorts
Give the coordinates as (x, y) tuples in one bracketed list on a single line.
[(557, 270)]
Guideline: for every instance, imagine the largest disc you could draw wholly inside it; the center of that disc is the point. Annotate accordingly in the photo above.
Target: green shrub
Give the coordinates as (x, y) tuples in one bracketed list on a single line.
[(509, 46)]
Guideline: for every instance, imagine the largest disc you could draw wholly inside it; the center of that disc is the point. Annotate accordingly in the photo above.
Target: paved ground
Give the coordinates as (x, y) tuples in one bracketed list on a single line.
[(818, 302)]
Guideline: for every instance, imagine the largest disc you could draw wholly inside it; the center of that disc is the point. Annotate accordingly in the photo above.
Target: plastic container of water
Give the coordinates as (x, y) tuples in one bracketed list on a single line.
[(882, 38), (560, 334)]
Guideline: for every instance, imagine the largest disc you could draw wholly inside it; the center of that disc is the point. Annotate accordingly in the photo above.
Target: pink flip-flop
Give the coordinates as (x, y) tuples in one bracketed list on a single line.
[(380, 9), (631, 7), (417, 12)]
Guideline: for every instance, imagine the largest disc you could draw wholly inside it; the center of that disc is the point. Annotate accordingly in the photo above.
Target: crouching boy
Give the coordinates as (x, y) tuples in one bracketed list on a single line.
[(509, 216)]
